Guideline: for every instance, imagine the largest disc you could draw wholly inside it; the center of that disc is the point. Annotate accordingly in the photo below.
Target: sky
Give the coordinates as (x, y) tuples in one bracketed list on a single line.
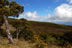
[(55, 11)]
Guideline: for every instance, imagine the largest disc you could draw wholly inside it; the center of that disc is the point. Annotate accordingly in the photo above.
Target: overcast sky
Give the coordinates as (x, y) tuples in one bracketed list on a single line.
[(57, 11)]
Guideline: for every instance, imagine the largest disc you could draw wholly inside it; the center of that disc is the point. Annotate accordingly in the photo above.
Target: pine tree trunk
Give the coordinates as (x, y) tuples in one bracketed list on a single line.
[(7, 30)]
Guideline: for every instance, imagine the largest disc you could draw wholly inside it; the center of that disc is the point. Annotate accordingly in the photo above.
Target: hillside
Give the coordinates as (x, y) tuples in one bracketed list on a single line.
[(46, 26), (49, 27), (41, 33)]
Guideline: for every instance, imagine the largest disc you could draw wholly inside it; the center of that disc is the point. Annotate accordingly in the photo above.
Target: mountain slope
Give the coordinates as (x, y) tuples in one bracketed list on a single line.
[(49, 27), (46, 26)]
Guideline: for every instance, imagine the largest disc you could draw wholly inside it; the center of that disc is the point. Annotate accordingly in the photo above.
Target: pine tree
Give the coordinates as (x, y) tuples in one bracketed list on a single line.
[(9, 9)]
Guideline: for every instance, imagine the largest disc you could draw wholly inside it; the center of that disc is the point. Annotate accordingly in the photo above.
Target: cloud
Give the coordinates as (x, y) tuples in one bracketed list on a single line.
[(33, 16), (70, 1), (30, 15), (63, 13)]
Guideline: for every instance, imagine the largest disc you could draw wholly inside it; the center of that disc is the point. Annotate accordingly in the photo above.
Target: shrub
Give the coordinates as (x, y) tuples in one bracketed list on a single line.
[(51, 39)]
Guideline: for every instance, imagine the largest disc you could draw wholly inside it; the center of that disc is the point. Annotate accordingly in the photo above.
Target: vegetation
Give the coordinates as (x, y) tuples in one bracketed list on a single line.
[(33, 31), (9, 9), (33, 34), (22, 29)]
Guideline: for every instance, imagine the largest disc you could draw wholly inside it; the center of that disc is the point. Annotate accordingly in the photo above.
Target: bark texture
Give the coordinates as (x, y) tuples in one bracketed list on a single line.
[(7, 30)]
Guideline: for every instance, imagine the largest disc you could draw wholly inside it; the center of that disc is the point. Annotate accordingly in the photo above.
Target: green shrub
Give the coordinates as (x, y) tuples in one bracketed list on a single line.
[(51, 39)]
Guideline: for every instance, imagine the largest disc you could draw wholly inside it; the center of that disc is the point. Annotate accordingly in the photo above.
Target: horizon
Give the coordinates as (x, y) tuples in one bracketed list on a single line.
[(55, 11)]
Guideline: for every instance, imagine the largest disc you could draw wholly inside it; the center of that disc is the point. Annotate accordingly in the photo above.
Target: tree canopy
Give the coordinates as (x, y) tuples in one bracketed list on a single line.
[(10, 8)]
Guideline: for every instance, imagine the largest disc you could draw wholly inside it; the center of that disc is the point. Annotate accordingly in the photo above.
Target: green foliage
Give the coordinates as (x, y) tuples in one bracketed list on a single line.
[(1, 32), (10, 8), (39, 43), (4, 2), (15, 9), (24, 27), (26, 34), (50, 39)]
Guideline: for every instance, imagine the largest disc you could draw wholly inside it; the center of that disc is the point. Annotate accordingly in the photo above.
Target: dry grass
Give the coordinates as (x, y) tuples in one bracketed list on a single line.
[(4, 43), (18, 44), (11, 28)]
